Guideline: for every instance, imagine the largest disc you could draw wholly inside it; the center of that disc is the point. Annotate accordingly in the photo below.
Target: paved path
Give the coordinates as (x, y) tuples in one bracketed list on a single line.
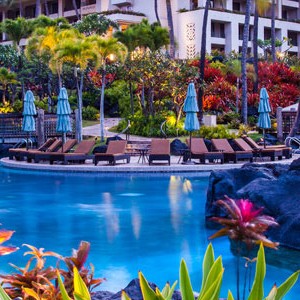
[(108, 123)]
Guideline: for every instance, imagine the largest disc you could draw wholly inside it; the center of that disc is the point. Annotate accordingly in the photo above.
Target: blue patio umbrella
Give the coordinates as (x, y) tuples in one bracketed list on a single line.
[(190, 107), (264, 109), (29, 111), (63, 124)]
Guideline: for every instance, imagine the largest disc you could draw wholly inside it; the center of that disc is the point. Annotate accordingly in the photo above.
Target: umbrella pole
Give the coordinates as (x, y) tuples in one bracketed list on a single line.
[(190, 159), (264, 133), (27, 141)]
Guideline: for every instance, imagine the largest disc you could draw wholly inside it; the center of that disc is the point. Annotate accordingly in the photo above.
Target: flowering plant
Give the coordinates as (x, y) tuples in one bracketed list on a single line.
[(244, 223)]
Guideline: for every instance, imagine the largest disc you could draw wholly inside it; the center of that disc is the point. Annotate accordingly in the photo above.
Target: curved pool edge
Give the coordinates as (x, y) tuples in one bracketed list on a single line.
[(133, 167)]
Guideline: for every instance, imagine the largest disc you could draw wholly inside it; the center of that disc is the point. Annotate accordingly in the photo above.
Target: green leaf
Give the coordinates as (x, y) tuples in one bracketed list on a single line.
[(148, 293), (272, 294), (213, 275), (257, 290), (62, 288), (3, 295), (171, 291), (166, 290), (208, 261), (284, 288), (124, 296), (212, 291), (81, 291), (185, 282), (230, 296)]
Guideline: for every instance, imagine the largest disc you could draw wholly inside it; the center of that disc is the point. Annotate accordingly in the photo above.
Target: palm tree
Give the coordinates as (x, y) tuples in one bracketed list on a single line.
[(106, 48), (156, 12), (75, 48), (244, 63), (202, 61), (6, 78), (171, 28)]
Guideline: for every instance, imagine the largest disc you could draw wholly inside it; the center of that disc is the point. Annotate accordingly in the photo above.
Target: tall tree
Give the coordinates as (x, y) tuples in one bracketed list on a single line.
[(6, 78), (255, 48), (75, 48), (171, 28), (244, 61), (202, 61), (106, 48), (156, 12), (273, 31)]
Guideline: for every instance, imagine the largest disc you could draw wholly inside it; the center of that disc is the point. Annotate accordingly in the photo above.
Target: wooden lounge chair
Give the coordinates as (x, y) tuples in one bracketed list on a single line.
[(115, 151), (80, 154), (52, 148), (66, 147), (286, 151), (261, 152), (199, 150), (159, 150), (20, 153), (229, 154)]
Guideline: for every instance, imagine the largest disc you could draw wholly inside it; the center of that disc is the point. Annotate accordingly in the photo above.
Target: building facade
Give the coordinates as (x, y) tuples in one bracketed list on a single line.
[(225, 20)]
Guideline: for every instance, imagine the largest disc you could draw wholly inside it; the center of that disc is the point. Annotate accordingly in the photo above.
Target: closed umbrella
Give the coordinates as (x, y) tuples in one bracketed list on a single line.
[(264, 109), (63, 112), (29, 111), (190, 107)]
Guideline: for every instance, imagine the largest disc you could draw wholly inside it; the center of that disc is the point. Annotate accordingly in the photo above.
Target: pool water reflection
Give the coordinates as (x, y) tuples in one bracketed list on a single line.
[(133, 222)]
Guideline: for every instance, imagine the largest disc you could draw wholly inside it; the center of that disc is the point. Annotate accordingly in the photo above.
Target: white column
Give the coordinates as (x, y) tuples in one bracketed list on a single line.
[(284, 33), (3, 19), (260, 35), (98, 5), (229, 4), (279, 9)]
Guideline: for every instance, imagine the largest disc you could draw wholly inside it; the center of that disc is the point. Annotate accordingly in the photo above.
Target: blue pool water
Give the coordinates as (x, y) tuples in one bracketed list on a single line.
[(133, 222)]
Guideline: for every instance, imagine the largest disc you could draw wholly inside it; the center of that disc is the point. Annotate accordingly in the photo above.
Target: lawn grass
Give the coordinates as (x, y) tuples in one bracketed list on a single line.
[(86, 123)]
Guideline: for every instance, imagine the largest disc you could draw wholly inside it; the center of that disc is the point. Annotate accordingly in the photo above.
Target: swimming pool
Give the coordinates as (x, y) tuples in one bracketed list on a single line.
[(133, 222)]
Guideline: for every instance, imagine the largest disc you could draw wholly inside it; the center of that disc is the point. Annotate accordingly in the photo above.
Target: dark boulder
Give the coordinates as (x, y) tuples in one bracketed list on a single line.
[(100, 149), (4, 149), (133, 290), (177, 146)]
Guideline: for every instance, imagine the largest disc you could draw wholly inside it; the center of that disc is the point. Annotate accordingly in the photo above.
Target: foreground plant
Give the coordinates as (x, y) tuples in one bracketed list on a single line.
[(257, 290), (39, 282), (5, 235), (244, 224)]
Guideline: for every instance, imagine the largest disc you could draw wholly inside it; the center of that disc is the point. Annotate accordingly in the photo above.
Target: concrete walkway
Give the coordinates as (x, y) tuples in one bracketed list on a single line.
[(94, 130)]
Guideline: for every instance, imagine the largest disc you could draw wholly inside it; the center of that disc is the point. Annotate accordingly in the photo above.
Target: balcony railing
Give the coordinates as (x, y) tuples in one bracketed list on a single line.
[(121, 2)]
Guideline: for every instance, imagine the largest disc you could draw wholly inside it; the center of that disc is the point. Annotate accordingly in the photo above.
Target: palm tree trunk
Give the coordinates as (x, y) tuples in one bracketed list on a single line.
[(46, 8), (156, 12), (131, 98), (21, 8), (171, 28), (244, 63), (79, 85), (37, 8), (76, 9), (255, 50), (273, 32), (102, 105), (202, 62)]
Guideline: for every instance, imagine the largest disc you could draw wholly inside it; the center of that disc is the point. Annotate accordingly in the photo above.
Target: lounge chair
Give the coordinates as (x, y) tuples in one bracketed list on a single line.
[(159, 150), (52, 148), (261, 152), (115, 151), (80, 154), (229, 154), (199, 150), (20, 153), (66, 147), (286, 151)]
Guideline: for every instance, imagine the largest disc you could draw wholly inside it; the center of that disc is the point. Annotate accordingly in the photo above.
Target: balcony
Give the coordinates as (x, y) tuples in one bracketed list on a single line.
[(121, 2), (88, 9)]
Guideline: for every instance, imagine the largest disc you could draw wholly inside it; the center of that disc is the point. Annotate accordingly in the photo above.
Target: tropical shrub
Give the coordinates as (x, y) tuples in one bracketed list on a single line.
[(215, 132), (90, 113)]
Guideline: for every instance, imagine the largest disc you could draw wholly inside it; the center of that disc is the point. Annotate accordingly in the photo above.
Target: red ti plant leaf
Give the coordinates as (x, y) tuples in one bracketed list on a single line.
[(244, 222), (5, 235)]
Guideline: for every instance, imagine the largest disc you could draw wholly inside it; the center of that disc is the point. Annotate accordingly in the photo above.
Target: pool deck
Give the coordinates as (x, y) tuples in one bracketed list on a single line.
[(133, 167)]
